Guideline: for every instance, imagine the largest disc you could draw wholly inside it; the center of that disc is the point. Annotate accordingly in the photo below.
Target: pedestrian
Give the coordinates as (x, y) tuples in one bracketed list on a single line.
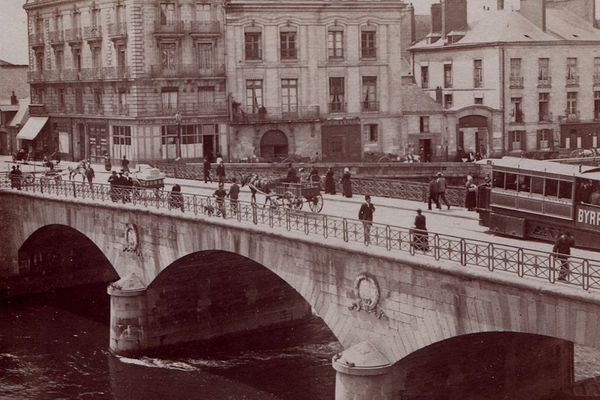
[(125, 164), (113, 180), (19, 176), (420, 235), (292, 176), (346, 183), (220, 195), (433, 194), (562, 251), (233, 194), (175, 197), (221, 172), (206, 169), (366, 216), (12, 176), (329, 182), (219, 158), (107, 163), (90, 175), (314, 176), (441, 188), (471, 194)]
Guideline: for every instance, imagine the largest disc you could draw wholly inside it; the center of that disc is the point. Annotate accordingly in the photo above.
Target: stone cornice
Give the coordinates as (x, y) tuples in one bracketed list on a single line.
[(316, 5), (460, 47)]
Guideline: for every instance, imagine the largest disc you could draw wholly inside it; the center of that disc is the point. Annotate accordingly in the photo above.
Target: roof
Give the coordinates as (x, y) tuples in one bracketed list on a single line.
[(21, 114), (537, 165), (507, 26), (415, 99)]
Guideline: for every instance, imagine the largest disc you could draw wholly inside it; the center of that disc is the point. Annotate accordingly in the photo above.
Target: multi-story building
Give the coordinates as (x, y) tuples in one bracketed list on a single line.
[(140, 78), (13, 93), (319, 79), (526, 80)]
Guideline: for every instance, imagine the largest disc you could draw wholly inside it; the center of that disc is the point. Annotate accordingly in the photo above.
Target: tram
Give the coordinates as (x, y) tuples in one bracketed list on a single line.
[(541, 199)]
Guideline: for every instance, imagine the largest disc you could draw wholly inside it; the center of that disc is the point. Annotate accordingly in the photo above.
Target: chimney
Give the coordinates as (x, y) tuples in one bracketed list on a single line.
[(13, 99), (500, 4), (535, 12), (439, 95), (454, 16), (436, 18)]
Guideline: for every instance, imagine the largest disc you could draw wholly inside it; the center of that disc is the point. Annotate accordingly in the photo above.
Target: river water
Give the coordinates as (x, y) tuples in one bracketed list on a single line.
[(54, 346)]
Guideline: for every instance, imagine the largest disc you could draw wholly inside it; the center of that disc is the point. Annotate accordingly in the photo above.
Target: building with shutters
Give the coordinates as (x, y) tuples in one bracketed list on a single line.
[(515, 81), (138, 78)]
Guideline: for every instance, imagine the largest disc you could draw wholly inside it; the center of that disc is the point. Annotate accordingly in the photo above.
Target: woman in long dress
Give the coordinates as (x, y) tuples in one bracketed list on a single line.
[(346, 183), (471, 196), (329, 182)]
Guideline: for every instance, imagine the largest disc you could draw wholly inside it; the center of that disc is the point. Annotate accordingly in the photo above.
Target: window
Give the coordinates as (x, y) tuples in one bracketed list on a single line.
[(168, 52), (254, 94), (206, 95), (571, 104), (336, 95), (287, 42), (95, 17), (122, 135), (77, 58), (61, 98), (571, 68), (477, 73), (596, 104), (498, 179), (596, 69), (367, 44), (39, 60), (169, 134), (203, 12), (516, 140), (121, 55), (370, 133), (120, 14), (537, 185), (79, 100), (167, 13), (76, 20), (191, 134), (516, 111), (39, 25), (289, 96), (335, 44), (97, 100), (59, 55), (448, 101), (543, 69), (447, 75), (205, 55), (369, 93), (424, 76), (58, 23), (424, 124), (544, 137), (96, 58), (122, 100), (515, 67), (170, 98), (252, 43), (544, 107)]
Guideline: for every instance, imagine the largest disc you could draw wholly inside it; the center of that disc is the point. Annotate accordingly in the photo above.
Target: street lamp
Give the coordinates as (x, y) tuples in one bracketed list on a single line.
[(178, 138)]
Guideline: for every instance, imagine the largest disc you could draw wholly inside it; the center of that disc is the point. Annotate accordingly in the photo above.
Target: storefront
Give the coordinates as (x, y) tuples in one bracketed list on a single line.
[(341, 140), (579, 135)]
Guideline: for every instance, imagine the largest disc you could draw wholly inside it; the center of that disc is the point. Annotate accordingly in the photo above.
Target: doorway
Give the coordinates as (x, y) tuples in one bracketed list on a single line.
[(81, 141), (425, 150)]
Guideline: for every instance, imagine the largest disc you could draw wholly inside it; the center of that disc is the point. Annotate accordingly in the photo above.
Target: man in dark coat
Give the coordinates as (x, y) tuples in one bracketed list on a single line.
[(329, 182), (125, 164), (433, 194), (206, 170), (234, 194), (292, 176), (346, 182), (221, 172), (562, 251), (441, 188), (90, 175), (420, 236), (366, 216)]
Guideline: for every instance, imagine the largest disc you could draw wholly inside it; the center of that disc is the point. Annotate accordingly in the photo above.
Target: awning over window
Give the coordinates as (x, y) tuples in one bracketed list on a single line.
[(32, 127)]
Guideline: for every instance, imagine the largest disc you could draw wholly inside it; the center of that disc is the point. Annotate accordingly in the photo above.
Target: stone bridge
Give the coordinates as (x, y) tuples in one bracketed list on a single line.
[(180, 278)]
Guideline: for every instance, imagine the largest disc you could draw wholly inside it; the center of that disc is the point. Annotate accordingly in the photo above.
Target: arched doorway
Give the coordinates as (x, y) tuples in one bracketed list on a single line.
[(473, 134), (273, 145)]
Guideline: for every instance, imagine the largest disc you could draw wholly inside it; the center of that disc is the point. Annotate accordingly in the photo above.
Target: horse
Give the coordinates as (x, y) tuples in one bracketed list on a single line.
[(78, 170), (260, 185)]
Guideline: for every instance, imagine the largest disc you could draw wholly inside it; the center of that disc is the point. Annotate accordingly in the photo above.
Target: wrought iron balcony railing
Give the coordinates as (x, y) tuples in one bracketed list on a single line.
[(572, 80), (117, 30), (547, 117), (596, 79), (337, 107), (36, 76), (173, 27), (166, 110), (545, 82), (115, 73), (516, 82), (36, 39), (251, 115), (205, 27), (56, 37), (92, 33), (570, 116), (73, 35), (368, 106), (120, 109), (186, 71)]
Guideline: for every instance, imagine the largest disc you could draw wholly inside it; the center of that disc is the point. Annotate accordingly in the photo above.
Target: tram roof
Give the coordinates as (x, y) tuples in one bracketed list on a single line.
[(552, 167)]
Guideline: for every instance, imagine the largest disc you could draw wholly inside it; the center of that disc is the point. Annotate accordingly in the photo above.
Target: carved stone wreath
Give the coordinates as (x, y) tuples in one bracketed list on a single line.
[(132, 244), (368, 294)]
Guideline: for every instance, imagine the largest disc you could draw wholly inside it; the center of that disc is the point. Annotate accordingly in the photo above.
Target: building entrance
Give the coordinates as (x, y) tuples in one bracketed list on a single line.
[(274, 145), (472, 135)]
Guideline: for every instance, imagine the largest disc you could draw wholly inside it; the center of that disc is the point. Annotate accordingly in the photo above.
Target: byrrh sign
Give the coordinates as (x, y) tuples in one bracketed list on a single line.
[(588, 217)]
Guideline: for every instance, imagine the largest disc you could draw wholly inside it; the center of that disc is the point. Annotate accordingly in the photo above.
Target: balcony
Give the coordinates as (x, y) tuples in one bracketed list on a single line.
[(186, 71), (572, 80), (570, 117), (369, 106), (516, 82), (337, 107), (252, 115), (117, 31), (91, 74), (73, 36), (596, 79), (36, 76), (545, 82), (545, 118), (57, 38), (192, 109), (170, 28), (199, 28), (92, 33), (115, 73), (120, 109), (36, 40)]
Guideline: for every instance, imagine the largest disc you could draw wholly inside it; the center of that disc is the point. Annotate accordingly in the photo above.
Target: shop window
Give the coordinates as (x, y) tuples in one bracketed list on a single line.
[(370, 132), (122, 135)]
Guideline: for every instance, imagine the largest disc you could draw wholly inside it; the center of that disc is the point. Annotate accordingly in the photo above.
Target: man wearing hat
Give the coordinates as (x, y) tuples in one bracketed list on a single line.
[(366, 216), (441, 189)]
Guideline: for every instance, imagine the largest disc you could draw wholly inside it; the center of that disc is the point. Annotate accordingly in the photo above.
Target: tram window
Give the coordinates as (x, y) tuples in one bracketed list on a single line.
[(511, 181), (565, 190), (524, 183), (498, 180), (537, 185), (551, 187)]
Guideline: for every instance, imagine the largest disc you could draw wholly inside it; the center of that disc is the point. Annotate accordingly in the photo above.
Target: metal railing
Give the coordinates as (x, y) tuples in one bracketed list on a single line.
[(73, 35), (169, 27), (186, 70), (116, 30), (519, 261), (56, 37), (93, 32), (165, 110), (200, 27), (572, 80), (369, 106), (545, 82), (516, 82), (243, 115), (36, 39)]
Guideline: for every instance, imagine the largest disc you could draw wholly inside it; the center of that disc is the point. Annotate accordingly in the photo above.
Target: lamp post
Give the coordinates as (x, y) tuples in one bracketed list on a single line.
[(178, 138)]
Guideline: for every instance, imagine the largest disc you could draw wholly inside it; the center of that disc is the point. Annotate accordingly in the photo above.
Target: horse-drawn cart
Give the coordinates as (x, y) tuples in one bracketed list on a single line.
[(294, 195), (147, 182)]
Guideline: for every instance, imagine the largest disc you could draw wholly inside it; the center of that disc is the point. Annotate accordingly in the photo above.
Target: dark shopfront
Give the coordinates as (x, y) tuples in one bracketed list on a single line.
[(91, 140), (341, 140), (580, 135)]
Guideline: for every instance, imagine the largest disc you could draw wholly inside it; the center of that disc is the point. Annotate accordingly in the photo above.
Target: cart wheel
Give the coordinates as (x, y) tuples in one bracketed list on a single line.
[(316, 203), (29, 178)]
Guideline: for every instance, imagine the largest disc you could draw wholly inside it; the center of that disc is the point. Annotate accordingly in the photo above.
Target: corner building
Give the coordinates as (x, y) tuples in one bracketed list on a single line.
[(140, 78), (318, 79), (514, 82)]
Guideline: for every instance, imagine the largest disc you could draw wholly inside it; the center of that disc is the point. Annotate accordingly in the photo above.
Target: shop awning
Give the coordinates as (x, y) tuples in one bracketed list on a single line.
[(32, 127)]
